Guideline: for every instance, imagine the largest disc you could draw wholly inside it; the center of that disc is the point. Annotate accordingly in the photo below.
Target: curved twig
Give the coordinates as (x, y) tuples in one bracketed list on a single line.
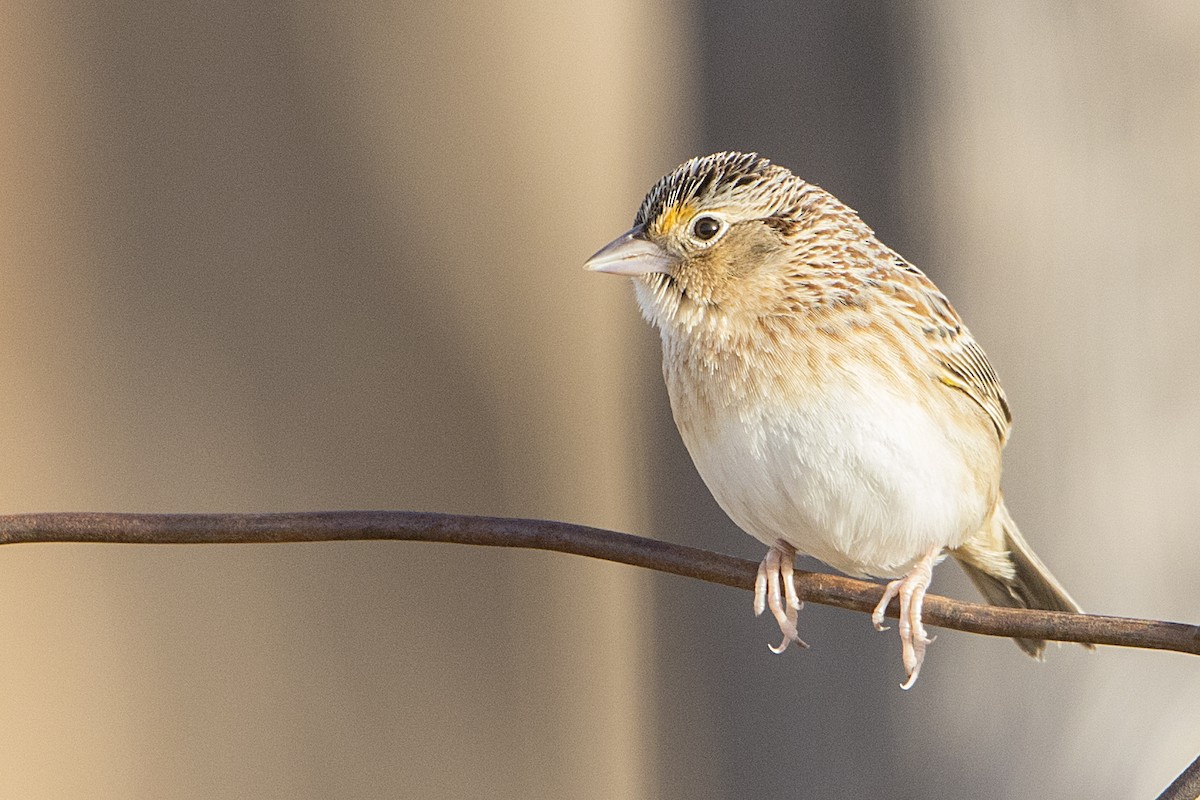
[(818, 587), (1186, 786)]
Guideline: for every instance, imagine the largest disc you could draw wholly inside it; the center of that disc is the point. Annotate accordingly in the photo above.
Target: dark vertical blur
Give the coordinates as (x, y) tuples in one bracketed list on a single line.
[(818, 87)]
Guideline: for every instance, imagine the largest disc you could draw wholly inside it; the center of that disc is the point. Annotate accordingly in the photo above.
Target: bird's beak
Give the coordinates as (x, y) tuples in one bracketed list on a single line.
[(630, 254)]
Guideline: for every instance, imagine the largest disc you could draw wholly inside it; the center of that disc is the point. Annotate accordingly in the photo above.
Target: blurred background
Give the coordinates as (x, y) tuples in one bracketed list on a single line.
[(309, 255)]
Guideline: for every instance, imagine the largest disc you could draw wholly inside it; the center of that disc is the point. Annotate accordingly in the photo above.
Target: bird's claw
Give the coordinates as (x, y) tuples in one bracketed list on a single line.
[(775, 588), (913, 637)]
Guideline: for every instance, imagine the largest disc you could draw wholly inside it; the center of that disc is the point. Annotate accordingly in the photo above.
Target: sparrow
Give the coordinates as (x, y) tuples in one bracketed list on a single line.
[(831, 398)]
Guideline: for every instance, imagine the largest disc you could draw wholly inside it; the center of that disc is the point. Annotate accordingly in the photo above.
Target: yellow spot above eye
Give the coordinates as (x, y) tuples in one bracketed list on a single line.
[(671, 217)]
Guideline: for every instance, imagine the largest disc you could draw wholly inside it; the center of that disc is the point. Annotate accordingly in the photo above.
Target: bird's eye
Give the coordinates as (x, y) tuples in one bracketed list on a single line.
[(706, 228)]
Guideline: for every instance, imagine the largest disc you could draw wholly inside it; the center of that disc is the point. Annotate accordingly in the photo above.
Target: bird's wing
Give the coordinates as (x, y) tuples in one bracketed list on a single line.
[(962, 363), (967, 369)]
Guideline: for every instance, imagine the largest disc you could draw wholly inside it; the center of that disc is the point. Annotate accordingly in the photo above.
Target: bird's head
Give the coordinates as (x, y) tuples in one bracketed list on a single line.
[(720, 236)]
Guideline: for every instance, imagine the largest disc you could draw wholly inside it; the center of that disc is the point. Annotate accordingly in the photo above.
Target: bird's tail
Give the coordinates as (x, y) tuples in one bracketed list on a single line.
[(1006, 570)]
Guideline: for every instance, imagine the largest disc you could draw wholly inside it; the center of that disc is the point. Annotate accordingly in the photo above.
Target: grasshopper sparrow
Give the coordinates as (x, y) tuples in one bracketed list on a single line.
[(830, 397)]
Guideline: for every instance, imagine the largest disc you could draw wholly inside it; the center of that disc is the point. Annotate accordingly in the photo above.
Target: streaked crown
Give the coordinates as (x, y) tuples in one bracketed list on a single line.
[(728, 178)]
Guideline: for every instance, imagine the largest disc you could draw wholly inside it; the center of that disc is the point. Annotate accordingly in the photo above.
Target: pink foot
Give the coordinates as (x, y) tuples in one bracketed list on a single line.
[(911, 591), (776, 569)]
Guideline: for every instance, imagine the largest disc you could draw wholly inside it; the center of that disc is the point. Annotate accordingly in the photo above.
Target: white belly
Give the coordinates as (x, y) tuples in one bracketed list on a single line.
[(864, 479)]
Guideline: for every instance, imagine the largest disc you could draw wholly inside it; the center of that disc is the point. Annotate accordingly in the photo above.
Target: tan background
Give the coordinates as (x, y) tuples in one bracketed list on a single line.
[(299, 257)]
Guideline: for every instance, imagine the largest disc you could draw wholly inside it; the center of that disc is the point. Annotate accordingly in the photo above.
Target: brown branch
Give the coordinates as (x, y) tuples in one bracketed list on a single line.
[(342, 526), (1186, 786), (818, 587)]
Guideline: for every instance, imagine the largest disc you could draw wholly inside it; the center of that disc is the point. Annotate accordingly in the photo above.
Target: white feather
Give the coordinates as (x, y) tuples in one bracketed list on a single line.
[(855, 475)]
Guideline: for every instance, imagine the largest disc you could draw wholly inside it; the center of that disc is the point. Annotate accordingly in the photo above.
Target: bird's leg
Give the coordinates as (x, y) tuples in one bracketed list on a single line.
[(911, 590), (777, 568)]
